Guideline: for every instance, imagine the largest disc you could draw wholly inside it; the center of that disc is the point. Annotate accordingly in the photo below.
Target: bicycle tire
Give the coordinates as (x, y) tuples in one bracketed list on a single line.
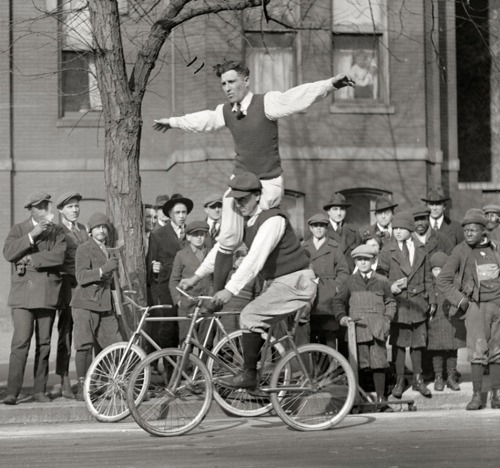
[(239, 402), (105, 386), (321, 405), (170, 412)]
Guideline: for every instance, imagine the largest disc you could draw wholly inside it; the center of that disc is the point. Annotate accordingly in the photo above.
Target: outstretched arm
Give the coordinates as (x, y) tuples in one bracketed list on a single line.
[(197, 122)]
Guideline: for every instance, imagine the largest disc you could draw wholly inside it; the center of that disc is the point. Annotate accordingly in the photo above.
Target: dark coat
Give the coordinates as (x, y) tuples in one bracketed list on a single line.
[(437, 242), (35, 285), (373, 230), (163, 246), (348, 240), (93, 292), (330, 266), (72, 243), (413, 302), (452, 229)]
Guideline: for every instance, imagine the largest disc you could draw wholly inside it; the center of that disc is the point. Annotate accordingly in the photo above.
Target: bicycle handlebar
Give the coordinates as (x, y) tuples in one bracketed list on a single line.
[(193, 298), (127, 294)]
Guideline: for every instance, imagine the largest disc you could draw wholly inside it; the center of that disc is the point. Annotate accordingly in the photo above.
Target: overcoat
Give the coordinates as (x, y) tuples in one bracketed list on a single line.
[(452, 229), (348, 239)]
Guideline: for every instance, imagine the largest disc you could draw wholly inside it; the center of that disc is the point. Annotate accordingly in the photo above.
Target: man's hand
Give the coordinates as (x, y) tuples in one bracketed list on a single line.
[(342, 80), (395, 289), (156, 266), (162, 125), (110, 265), (40, 228), (188, 283), (432, 311), (222, 297), (345, 320)]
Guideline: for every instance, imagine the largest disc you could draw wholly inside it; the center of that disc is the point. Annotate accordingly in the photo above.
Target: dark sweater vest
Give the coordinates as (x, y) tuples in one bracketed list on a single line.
[(255, 140), (288, 256)]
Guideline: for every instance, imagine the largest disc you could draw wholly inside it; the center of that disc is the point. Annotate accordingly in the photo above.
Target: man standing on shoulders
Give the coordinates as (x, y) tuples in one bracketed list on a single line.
[(68, 205), (36, 249), (382, 229), (213, 209)]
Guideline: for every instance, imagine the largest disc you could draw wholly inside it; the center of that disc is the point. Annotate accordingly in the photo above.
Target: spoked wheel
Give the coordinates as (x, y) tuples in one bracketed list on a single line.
[(320, 391), (105, 387), (171, 409), (241, 402)]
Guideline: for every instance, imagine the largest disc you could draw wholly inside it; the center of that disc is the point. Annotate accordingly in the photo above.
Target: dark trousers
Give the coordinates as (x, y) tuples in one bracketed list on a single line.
[(65, 326), (27, 321)]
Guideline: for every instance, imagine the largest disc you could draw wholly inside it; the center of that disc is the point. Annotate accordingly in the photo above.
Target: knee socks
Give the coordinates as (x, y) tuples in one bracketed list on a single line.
[(252, 343), (83, 359), (416, 360), (495, 375), (399, 359), (477, 377), (379, 382)]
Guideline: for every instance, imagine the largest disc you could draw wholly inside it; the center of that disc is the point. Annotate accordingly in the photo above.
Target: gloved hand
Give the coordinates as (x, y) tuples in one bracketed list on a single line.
[(110, 265)]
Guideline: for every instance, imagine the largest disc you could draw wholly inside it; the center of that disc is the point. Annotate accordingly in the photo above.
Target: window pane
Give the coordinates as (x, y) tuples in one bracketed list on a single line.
[(75, 82), (76, 31), (358, 15)]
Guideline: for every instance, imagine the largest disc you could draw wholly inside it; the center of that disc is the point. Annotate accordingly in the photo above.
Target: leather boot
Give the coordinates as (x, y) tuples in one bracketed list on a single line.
[(399, 388), (495, 398), (419, 386), (439, 383), (452, 382), (476, 402), (79, 393), (245, 379)]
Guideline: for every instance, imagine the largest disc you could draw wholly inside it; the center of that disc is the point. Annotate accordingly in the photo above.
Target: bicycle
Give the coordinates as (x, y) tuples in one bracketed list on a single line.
[(311, 387)]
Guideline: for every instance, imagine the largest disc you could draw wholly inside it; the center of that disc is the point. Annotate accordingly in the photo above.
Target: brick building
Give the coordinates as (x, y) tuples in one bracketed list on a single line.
[(395, 135)]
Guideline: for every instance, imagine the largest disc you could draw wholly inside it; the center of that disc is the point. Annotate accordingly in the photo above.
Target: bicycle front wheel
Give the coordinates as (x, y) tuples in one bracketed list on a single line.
[(174, 405), (105, 387), (320, 391)]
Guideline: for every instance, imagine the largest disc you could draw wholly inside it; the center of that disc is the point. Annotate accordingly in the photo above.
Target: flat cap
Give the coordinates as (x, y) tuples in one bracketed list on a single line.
[(383, 203), (65, 197), (161, 200), (98, 219), (474, 216), (491, 209), (212, 199), (194, 226), (37, 198), (420, 212), (438, 259), (243, 184), (318, 219), (435, 194), (337, 199), (364, 250), (403, 220)]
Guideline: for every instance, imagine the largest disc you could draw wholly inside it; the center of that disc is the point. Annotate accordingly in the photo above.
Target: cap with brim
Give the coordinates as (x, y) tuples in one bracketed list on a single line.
[(243, 184), (403, 220), (420, 212), (318, 219), (148, 206), (438, 259), (337, 199), (491, 209), (161, 200), (36, 198), (475, 216), (383, 203), (435, 194), (174, 200), (98, 219), (63, 199), (364, 250), (194, 226), (212, 200)]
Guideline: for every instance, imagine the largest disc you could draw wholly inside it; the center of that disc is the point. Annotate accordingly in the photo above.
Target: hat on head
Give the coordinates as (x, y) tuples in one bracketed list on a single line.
[(364, 250), (174, 200), (161, 200), (66, 197), (212, 199), (403, 220), (438, 259), (318, 219), (243, 184), (37, 198), (491, 209), (194, 226), (337, 199), (420, 212), (98, 219), (435, 194), (383, 203), (148, 206), (474, 216)]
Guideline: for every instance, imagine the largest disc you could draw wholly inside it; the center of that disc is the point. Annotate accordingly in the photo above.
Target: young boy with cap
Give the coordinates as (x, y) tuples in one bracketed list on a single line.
[(405, 262), (213, 210), (367, 296)]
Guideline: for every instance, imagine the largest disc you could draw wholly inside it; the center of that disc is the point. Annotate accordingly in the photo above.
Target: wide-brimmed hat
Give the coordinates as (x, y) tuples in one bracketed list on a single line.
[(475, 216), (435, 194), (243, 184), (337, 199), (174, 200), (420, 212), (403, 220), (98, 219), (194, 226), (384, 203), (36, 198), (66, 197), (318, 219)]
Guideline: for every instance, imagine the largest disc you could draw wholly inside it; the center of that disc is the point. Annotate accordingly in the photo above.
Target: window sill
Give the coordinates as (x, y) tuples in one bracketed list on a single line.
[(362, 109), (80, 119)]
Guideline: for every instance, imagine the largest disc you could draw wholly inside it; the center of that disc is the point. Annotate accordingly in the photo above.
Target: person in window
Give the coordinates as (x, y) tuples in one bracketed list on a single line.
[(364, 72), (253, 122)]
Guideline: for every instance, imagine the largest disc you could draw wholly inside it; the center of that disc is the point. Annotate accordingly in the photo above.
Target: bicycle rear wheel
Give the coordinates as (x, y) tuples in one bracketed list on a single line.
[(320, 391), (171, 410), (238, 401), (105, 387)]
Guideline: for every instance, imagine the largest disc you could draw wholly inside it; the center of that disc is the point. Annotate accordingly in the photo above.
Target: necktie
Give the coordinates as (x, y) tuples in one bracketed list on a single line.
[(366, 278), (199, 255), (406, 252), (238, 112), (214, 231), (76, 233), (182, 232), (436, 225)]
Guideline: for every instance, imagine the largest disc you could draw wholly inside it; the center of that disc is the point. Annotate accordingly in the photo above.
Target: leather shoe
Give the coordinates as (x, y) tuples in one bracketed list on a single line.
[(476, 402), (452, 383), (66, 390), (10, 400), (382, 406), (419, 386), (245, 379), (439, 383), (40, 397), (399, 388), (495, 398)]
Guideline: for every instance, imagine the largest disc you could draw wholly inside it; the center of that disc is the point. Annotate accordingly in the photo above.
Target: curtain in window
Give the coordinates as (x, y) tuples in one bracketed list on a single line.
[(271, 69)]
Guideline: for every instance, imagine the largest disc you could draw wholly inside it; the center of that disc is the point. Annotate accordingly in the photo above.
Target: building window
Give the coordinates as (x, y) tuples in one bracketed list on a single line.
[(359, 35), (271, 59)]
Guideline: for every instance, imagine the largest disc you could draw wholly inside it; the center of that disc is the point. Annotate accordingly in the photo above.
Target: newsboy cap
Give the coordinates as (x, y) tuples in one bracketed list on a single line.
[(243, 184), (383, 203), (65, 197), (364, 250), (318, 219), (98, 219), (194, 226), (337, 199), (491, 209), (212, 199), (474, 216), (403, 220), (438, 259), (435, 194), (420, 212), (37, 198), (174, 200)]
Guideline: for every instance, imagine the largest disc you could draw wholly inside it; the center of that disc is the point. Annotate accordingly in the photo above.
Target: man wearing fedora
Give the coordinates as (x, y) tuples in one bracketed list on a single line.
[(36, 249), (382, 229), (492, 213), (164, 244), (161, 217), (436, 201), (213, 209), (346, 235), (68, 205)]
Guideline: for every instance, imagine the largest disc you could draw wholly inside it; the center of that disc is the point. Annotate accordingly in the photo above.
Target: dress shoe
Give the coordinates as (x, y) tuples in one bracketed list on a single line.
[(10, 400), (399, 388), (79, 393), (40, 397), (439, 383), (245, 379), (382, 406), (419, 386), (56, 392), (495, 398), (476, 402), (452, 383)]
